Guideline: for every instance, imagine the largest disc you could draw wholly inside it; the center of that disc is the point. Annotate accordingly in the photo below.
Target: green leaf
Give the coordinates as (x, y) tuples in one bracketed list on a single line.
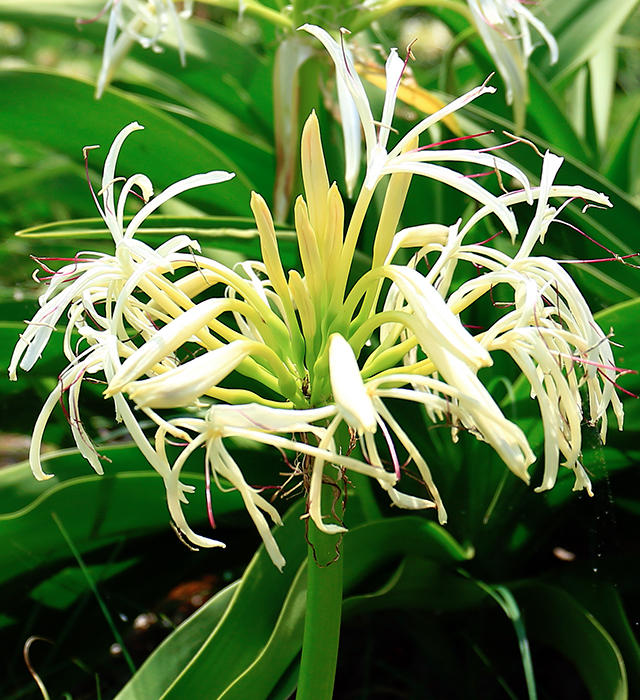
[(553, 617), (254, 645), (66, 586), (166, 152), (419, 583), (618, 162), (507, 602), (551, 118), (243, 631), (594, 24), (158, 672), (236, 234), (128, 499), (603, 69), (236, 96), (603, 600)]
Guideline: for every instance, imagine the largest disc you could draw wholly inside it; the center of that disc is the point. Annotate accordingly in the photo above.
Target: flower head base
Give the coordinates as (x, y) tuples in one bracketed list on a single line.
[(321, 352)]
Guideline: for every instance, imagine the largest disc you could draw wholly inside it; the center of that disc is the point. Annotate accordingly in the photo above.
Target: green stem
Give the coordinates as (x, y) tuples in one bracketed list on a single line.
[(257, 9), (323, 616), (367, 18)]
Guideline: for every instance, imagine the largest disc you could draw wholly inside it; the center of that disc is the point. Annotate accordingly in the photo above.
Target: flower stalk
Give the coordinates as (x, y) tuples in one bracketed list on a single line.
[(323, 612)]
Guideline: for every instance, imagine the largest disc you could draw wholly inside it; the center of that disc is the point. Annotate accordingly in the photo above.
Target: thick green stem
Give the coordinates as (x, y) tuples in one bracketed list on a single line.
[(384, 8), (257, 9), (323, 616)]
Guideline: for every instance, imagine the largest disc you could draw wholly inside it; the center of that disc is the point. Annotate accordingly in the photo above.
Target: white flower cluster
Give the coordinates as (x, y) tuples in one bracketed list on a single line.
[(138, 21), (322, 352), (505, 29)]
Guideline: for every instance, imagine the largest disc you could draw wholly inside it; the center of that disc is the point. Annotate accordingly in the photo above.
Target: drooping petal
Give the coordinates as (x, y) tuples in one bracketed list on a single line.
[(351, 134), (344, 65), (349, 392), (185, 384), (212, 178)]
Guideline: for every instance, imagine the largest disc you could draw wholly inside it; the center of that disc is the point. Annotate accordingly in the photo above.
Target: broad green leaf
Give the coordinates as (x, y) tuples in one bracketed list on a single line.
[(166, 151), (167, 661), (395, 537), (281, 649), (603, 70), (593, 25), (68, 9), (244, 629), (603, 600), (553, 617), (256, 642), (618, 163), (367, 548), (546, 109), (239, 86), (129, 498), (182, 100), (65, 587), (419, 583), (52, 167)]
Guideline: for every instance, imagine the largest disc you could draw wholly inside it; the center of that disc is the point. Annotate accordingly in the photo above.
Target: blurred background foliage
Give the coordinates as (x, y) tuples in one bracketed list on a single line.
[(524, 595)]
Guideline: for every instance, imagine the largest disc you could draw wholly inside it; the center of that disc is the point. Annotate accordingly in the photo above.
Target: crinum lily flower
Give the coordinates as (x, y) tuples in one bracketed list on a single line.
[(504, 26), (403, 157), (97, 291), (287, 359), (137, 21)]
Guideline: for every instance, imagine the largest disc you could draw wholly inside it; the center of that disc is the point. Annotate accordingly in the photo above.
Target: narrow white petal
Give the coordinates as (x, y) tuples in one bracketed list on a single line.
[(434, 118), (108, 177), (394, 67), (351, 133), (344, 65), (212, 178), (185, 384), (349, 392), (459, 182), (165, 341)]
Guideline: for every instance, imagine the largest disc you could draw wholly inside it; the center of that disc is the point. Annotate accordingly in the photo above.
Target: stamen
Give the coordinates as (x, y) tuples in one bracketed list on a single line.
[(80, 21), (600, 365), (343, 31), (488, 240), (520, 139), (476, 175), (499, 176), (497, 147), (390, 445), (457, 138), (85, 155), (207, 491), (410, 52), (385, 126), (109, 184), (622, 389), (614, 256)]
